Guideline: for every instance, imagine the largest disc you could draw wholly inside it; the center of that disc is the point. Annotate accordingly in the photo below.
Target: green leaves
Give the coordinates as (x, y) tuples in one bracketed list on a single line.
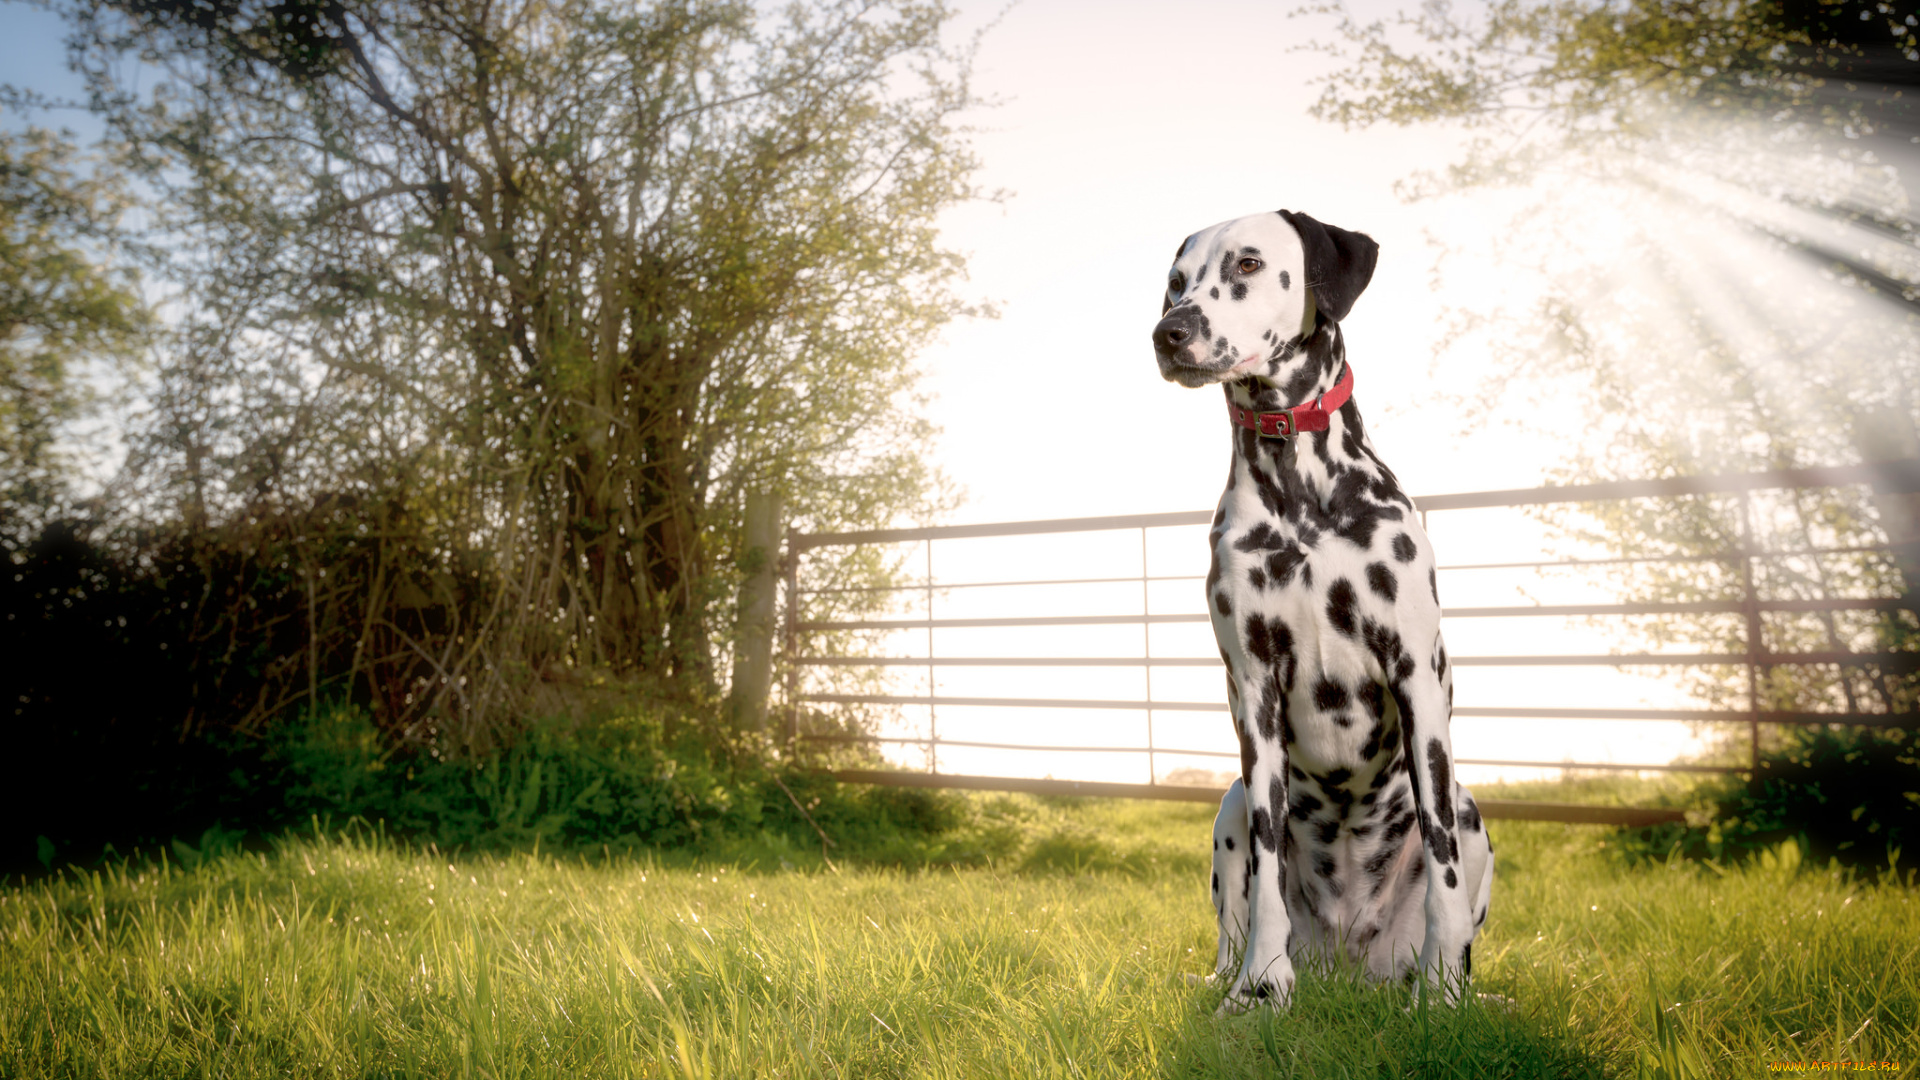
[(63, 304)]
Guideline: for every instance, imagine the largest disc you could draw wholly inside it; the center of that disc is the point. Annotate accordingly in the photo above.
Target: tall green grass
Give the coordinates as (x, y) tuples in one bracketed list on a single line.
[(350, 955)]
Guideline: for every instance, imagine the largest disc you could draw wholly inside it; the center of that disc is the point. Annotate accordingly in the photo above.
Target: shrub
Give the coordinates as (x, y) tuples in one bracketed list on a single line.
[(1844, 795), (637, 777)]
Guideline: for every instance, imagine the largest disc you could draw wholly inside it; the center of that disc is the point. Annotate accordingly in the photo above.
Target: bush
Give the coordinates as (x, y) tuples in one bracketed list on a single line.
[(1845, 795), (621, 781)]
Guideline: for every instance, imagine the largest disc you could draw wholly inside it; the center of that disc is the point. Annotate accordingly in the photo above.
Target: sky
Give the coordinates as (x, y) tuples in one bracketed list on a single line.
[(1119, 129)]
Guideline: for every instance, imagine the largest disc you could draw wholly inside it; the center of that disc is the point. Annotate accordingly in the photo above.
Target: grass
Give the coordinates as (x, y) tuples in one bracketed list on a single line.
[(355, 956)]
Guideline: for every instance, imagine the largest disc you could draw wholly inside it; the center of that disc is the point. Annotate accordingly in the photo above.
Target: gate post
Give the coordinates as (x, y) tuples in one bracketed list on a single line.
[(753, 629)]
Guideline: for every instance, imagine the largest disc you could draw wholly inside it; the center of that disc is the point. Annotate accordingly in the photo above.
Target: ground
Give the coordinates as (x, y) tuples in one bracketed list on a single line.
[(355, 956)]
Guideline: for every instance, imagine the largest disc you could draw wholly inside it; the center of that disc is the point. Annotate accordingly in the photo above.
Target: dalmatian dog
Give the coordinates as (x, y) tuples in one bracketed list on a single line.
[(1346, 838)]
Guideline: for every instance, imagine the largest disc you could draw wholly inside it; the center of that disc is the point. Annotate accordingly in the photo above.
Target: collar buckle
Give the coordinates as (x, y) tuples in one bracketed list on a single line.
[(1283, 424)]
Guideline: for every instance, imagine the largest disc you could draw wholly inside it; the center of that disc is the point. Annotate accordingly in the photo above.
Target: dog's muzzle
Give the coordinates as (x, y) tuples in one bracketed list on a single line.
[(1177, 340), (1179, 330)]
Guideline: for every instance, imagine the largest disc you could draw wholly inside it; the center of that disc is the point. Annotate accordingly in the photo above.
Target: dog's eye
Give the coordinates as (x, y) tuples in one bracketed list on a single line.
[(1176, 284), (1250, 265)]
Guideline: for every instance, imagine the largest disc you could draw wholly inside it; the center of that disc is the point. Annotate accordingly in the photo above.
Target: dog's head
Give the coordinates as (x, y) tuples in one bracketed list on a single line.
[(1243, 295)]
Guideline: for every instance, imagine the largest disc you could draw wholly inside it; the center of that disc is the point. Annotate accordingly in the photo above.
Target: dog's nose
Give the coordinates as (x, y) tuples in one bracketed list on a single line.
[(1173, 332)]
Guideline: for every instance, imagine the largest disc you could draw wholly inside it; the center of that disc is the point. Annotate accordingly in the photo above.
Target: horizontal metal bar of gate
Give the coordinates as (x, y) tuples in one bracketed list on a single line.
[(1899, 720), (1895, 661), (1536, 564), (1704, 607), (1612, 765), (1491, 809), (1484, 711), (909, 740), (1016, 703), (1894, 477)]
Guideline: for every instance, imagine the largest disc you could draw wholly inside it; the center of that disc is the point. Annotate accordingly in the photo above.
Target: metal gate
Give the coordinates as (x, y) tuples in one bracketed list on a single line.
[(1749, 563)]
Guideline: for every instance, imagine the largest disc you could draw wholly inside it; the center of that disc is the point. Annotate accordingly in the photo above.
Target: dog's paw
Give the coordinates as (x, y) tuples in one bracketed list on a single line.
[(1200, 980), (1274, 990)]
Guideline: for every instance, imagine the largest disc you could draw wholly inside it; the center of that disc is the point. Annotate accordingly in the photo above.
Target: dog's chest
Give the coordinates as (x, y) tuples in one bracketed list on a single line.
[(1307, 607), (1284, 622)]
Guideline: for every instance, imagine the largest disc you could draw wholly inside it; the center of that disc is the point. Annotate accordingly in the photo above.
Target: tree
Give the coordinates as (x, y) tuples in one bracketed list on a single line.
[(1724, 277), (515, 301), (60, 307)]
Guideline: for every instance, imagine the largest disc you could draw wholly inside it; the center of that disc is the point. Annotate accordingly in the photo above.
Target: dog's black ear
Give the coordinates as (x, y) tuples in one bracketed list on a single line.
[(1339, 263)]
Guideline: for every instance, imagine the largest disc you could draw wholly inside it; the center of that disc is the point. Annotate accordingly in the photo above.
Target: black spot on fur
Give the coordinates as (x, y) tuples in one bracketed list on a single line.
[(1262, 829), (1371, 748), (1403, 548), (1239, 290), (1470, 817), (1214, 293), (1340, 605), (1397, 828), (1216, 882), (1356, 515), (1433, 583), (1228, 840), (1452, 879), (1391, 654), (1381, 580), (1257, 578), (1304, 807), (1282, 564), (1286, 281), (1259, 643), (1222, 604), (1261, 537), (1442, 771), (1377, 865), (1284, 555), (1374, 698), (1329, 695), (1327, 831)]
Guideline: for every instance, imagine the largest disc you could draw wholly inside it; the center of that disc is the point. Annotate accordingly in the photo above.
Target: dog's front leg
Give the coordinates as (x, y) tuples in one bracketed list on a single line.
[(1266, 969), (1446, 953)]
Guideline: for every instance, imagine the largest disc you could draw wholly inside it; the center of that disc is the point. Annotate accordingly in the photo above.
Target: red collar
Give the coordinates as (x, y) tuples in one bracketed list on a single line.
[(1289, 422)]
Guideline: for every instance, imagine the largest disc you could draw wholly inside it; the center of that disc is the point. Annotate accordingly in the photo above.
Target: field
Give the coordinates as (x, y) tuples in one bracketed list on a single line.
[(355, 956)]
